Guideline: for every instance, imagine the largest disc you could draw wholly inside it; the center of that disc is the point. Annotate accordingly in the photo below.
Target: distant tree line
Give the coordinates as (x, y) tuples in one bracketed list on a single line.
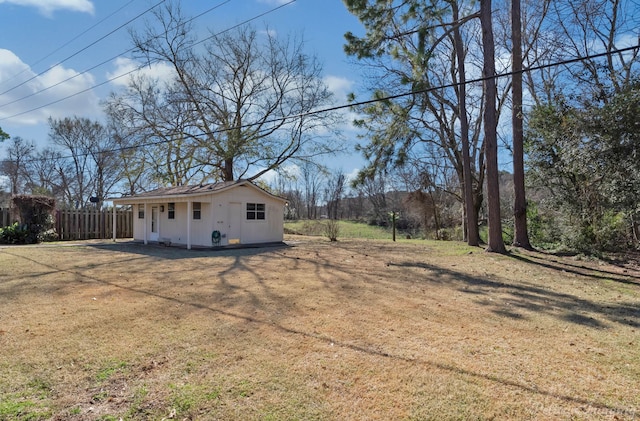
[(573, 141), (555, 83)]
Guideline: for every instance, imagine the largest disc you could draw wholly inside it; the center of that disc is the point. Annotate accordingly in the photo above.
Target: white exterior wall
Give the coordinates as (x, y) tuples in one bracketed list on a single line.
[(224, 211), (231, 206), (176, 228), (201, 229), (138, 224)]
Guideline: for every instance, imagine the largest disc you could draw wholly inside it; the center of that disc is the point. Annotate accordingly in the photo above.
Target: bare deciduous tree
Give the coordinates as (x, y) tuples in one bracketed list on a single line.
[(90, 152), (237, 105), (15, 166), (312, 178), (334, 192)]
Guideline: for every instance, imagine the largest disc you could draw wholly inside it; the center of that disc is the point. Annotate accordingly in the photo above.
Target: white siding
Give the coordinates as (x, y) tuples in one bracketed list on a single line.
[(250, 232), (215, 215)]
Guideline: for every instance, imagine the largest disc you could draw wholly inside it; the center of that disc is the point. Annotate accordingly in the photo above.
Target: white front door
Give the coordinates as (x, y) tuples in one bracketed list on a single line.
[(154, 224)]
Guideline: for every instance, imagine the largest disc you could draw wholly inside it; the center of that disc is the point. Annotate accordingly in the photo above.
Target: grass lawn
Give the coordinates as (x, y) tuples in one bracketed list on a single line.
[(347, 229), (360, 329)]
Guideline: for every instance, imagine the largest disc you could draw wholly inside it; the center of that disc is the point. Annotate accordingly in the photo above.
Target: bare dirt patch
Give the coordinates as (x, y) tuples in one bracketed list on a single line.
[(351, 330)]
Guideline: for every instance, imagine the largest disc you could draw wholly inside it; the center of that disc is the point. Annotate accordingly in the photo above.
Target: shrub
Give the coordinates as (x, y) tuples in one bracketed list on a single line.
[(609, 233), (14, 234), (36, 220), (612, 233), (332, 229)]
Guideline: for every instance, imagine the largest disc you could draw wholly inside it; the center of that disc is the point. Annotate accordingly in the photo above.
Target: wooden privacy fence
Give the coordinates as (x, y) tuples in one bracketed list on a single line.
[(5, 217), (87, 224)]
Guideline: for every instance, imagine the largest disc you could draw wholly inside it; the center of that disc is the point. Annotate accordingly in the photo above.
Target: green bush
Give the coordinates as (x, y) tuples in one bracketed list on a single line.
[(544, 231), (14, 234), (26, 234), (36, 221), (611, 233), (608, 233)]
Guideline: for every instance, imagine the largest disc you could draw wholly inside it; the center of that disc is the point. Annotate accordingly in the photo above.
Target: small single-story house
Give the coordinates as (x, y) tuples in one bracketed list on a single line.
[(206, 215)]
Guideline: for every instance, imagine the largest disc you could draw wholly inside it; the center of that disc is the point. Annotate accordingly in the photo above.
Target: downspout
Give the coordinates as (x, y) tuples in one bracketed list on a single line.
[(189, 215)]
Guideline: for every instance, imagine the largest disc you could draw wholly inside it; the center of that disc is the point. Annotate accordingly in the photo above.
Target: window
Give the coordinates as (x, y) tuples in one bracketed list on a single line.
[(171, 210), (140, 211), (255, 211), (196, 210)]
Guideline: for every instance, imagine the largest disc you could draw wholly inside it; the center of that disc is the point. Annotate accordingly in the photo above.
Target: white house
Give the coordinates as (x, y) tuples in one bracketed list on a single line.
[(206, 215)]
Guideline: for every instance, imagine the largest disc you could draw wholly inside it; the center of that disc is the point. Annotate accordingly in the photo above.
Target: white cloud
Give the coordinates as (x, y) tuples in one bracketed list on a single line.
[(271, 33), (31, 99), (125, 68), (626, 40), (352, 175), (340, 87), (47, 7), (291, 171)]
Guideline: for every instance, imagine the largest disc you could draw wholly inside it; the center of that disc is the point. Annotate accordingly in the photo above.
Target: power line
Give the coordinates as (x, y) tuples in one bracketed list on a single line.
[(67, 43), (84, 48), (371, 101), (140, 67), (435, 88), (95, 67), (246, 21)]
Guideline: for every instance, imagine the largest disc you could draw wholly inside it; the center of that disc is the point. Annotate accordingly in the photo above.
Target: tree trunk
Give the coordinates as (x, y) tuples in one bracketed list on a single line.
[(227, 171), (521, 236), (496, 244), (473, 237)]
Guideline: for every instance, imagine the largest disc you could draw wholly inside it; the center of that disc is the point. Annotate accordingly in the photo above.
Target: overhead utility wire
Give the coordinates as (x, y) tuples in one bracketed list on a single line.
[(139, 67), (98, 65), (433, 88), (66, 43), (371, 101), (245, 22), (85, 48)]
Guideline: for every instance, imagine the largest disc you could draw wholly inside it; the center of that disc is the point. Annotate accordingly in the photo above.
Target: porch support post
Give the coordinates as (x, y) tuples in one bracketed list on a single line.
[(113, 220), (146, 219), (189, 211)]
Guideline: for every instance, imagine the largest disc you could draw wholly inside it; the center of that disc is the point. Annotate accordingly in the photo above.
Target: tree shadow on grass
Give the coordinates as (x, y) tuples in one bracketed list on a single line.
[(532, 298), (580, 270), (514, 300), (377, 352), (180, 252)]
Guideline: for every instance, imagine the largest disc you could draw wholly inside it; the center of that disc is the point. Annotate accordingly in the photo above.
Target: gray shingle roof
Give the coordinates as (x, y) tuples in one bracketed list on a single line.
[(199, 189), (184, 190)]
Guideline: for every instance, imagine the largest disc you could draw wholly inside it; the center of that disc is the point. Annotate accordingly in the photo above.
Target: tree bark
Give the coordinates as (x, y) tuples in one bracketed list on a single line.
[(496, 244), (473, 237), (521, 236)]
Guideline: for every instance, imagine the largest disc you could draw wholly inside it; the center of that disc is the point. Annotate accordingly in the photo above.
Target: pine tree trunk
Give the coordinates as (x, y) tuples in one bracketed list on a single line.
[(473, 237), (521, 236), (496, 244)]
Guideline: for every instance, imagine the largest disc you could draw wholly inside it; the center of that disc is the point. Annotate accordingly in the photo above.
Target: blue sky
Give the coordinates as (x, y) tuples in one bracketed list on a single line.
[(37, 35)]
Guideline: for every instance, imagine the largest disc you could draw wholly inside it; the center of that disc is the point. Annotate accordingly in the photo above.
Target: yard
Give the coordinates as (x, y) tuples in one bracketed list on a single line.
[(353, 330)]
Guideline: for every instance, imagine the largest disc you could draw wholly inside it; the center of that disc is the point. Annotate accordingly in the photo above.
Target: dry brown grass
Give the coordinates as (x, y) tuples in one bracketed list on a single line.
[(353, 330)]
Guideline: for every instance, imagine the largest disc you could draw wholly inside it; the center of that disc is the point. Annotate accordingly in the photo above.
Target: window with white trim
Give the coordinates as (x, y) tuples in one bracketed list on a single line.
[(140, 211), (256, 211), (171, 210), (197, 210)]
